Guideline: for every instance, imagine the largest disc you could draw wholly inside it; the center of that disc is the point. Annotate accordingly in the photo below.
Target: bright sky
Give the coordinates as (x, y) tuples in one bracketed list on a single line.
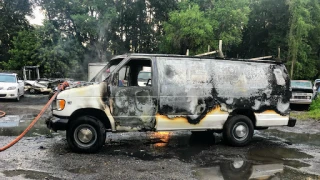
[(38, 16)]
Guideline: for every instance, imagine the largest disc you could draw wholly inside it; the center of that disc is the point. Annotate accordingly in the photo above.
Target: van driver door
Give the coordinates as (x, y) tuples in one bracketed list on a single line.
[(133, 102)]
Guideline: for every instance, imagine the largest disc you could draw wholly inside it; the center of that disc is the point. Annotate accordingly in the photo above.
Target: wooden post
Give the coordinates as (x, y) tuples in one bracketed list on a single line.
[(220, 49), (208, 48), (208, 53), (291, 71), (187, 52), (279, 52), (38, 73), (261, 58)]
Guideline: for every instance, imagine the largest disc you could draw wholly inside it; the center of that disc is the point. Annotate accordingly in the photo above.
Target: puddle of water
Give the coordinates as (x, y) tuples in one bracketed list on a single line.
[(296, 138), (29, 174), (239, 169), (10, 121), (290, 173), (82, 170), (14, 125), (275, 154), (209, 152), (150, 146), (39, 129)]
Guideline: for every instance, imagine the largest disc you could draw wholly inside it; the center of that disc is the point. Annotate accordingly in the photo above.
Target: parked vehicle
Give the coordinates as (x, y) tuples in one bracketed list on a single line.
[(302, 92), (32, 81), (316, 84), (187, 93), (316, 94), (144, 78), (11, 87), (94, 69)]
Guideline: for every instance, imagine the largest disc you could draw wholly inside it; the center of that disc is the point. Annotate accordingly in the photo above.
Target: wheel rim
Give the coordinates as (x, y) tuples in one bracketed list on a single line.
[(237, 164), (240, 131), (85, 135)]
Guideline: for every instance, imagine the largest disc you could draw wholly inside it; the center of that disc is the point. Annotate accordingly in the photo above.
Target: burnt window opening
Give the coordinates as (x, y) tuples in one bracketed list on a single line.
[(137, 72)]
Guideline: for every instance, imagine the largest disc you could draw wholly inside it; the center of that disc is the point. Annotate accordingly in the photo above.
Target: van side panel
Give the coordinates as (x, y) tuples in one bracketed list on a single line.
[(201, 93)]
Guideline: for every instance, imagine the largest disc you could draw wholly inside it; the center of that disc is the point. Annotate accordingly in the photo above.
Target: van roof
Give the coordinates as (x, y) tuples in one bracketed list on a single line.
[(198, 57)]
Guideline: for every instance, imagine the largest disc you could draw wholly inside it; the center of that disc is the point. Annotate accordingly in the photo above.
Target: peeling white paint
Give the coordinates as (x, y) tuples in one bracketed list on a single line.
[(229, 101), (282, 107), (279, 77), (257, 105)]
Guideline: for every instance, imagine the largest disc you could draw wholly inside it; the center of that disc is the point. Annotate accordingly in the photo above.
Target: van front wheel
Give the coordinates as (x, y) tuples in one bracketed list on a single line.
[(86, 134), (238, 130)]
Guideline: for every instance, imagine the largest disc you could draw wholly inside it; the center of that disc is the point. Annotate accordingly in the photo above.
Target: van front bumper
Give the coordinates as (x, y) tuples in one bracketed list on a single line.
[(57, 123), (300, 101)]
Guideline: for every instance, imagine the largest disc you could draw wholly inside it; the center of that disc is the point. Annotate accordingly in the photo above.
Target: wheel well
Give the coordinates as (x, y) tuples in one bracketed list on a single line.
[(245, 112), (97, 113)]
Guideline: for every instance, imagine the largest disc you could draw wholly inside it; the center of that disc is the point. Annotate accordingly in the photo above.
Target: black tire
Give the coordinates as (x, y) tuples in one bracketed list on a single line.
[(230, 171), (32, 91), (245, 128), (18, 97), (92, 126)]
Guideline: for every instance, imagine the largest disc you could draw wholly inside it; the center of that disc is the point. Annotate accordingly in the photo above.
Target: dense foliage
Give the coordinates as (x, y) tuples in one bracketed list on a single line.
[(76, 32)]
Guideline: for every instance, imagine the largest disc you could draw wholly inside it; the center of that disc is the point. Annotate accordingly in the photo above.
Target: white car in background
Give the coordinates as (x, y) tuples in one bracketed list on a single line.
[(144, 78), (10, 86)]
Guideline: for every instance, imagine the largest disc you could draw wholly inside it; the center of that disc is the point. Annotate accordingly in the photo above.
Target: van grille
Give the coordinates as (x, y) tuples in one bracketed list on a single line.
[(300, 97), (3, 95)]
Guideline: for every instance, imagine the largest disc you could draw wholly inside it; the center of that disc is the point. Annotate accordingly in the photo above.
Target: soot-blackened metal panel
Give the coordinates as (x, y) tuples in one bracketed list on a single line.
[(193, 87), (133, 107)]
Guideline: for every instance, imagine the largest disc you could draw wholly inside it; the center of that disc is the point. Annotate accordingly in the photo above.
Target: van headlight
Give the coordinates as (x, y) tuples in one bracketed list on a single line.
[(12, 88), (60, 104)]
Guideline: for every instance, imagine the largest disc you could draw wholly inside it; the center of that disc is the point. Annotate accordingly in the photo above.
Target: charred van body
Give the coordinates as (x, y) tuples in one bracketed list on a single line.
[(183, 93)]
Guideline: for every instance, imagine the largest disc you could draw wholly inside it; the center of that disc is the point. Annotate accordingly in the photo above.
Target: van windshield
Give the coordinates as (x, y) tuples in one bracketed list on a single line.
[(301, 84), (104, 73)]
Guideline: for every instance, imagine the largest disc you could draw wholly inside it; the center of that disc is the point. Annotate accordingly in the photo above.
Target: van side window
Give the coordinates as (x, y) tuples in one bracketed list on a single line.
[(123, 76), (135, 73)]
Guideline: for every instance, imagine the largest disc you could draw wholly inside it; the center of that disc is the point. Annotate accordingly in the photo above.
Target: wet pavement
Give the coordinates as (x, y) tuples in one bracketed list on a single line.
[(276, 153)]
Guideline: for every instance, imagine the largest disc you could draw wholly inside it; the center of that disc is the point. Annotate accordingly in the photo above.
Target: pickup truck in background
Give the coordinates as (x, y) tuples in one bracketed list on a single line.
[(302, 92)]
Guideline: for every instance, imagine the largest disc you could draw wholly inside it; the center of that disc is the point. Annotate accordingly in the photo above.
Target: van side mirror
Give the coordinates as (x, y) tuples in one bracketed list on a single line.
[(148, 82)]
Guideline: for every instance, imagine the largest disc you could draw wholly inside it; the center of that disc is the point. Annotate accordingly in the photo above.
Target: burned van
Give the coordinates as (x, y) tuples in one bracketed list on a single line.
[(234, 97)]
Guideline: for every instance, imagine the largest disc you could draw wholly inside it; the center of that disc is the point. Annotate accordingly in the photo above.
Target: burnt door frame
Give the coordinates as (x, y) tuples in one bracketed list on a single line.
[(131, 111)]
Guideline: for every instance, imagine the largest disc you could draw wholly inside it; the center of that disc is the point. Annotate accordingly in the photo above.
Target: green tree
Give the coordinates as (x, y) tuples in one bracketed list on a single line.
[(226, 19), (187, 28), (314, 38), (267, 30), (59, 55), (24, 51), (300, 25), (229, 18), (12, 21)]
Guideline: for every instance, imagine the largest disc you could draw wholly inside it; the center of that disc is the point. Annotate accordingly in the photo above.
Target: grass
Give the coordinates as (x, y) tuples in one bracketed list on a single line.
[(306, 115), (313, 113)]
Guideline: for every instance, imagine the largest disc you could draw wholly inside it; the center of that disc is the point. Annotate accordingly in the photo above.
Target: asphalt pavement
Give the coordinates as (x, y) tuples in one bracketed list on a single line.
[(276, 153)]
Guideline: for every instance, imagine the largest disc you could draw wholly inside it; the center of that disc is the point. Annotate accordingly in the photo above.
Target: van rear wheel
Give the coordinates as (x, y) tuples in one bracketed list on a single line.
[(238, 130), (86, 134)]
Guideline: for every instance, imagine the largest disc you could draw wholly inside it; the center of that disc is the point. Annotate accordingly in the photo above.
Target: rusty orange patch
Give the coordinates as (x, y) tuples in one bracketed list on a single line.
[(269, 112), (216, 110), (164, 117)]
